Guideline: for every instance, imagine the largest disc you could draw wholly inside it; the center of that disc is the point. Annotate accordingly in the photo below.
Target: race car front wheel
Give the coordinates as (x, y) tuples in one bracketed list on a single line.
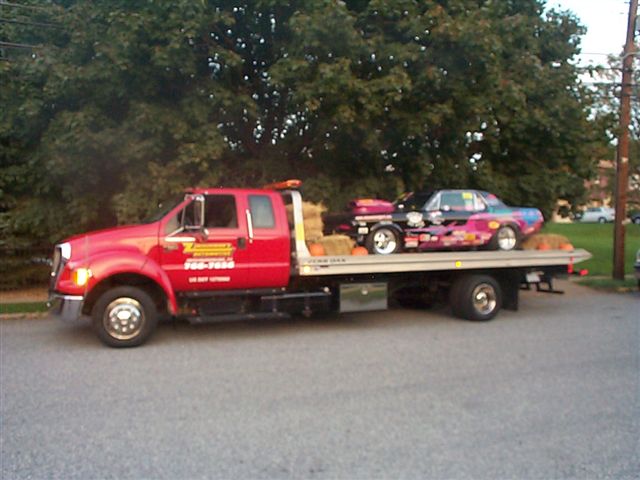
[(383, 241)]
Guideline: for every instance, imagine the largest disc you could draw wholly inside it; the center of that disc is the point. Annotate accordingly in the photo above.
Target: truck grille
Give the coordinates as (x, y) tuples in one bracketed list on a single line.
[(56, 268)]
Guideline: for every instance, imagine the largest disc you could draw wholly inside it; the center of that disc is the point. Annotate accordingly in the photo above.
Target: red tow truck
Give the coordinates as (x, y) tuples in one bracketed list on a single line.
[(230, 254)]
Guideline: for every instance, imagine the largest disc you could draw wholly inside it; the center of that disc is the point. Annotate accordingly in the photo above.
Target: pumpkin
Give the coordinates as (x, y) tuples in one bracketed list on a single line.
[(357, 251), (316, 250), (544, 246), (567, 247)]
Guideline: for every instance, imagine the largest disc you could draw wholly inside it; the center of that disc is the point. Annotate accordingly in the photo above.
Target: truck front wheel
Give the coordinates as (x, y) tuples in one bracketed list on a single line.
[(124, 317), (476, 297)]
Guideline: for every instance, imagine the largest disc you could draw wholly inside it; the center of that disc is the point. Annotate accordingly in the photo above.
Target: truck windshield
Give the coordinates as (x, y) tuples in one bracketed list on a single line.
[(163, 208)]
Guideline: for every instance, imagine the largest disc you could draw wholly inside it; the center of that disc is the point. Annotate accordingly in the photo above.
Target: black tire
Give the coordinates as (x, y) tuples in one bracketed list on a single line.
[(602, 220), (383, 240), (124, 317), (475, 297), (506, 238)]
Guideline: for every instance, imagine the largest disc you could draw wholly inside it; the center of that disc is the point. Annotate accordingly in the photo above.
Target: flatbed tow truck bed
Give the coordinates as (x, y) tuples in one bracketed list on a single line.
[(436, 261)]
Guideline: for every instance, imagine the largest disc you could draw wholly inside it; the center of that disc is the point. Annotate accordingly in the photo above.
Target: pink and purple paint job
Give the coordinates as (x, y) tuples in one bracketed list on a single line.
[(438, 220)]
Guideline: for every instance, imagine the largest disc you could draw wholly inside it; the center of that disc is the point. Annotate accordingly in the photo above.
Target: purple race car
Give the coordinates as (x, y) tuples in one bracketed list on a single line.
[(438, 220)]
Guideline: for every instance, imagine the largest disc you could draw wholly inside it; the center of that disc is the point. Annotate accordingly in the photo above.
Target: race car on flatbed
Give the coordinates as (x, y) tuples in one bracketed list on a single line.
[(436, 220)]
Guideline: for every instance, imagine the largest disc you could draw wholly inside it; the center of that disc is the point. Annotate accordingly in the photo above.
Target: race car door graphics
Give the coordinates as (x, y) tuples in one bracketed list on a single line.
[(208, 248)]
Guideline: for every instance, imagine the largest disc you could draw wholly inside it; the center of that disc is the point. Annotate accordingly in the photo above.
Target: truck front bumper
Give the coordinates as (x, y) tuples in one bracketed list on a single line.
[(67, 308)]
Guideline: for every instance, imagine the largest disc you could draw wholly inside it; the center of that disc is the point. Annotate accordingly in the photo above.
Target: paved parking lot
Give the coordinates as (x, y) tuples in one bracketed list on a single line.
[(552, 391)]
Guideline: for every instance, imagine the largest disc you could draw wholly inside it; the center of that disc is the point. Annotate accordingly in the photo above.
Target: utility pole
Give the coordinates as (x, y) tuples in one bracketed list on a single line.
[(622, 157)]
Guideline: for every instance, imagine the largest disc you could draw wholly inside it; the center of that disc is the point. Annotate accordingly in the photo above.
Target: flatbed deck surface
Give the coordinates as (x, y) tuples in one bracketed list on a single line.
[(436, 261)]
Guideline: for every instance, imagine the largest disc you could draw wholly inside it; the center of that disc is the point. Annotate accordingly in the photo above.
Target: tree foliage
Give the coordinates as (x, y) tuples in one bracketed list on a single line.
[(128, 102)]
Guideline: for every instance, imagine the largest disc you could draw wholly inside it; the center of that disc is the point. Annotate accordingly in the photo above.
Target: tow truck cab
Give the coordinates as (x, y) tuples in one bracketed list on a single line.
[(212, 239)]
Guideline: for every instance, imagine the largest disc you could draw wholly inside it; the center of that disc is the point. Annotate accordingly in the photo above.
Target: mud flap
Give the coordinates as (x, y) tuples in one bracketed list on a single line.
[(510, 281)]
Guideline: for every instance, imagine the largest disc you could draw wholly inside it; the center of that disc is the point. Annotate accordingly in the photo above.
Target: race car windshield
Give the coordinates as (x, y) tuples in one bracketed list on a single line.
[(413, 200)]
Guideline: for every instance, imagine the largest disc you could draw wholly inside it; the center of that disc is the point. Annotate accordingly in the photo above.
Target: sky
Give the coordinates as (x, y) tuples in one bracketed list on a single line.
[(606, 22)]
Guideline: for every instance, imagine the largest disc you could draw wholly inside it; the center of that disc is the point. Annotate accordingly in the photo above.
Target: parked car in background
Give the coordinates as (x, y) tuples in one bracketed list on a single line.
[(635, 218), (437, 220), (598, 215), (636, 268)]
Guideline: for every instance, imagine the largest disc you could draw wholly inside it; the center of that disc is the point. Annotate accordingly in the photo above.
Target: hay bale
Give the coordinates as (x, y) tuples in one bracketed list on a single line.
[(313, 229), (313, 210), (337, 244), (552, 239), (312, 219)]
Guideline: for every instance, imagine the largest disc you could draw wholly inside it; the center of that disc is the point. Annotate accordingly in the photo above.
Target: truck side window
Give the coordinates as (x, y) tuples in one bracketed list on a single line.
[(261, 211), (220, 212)]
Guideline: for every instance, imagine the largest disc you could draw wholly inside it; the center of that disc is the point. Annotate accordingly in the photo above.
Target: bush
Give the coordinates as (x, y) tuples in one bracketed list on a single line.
[(21, 268)]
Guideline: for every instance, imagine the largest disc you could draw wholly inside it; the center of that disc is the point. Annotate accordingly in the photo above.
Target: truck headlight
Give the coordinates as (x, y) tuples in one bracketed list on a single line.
[(65, 250)]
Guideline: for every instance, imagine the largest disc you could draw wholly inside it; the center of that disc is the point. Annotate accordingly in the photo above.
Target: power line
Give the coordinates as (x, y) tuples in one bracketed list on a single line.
[(16, 5), (17, 45), (35, 24)]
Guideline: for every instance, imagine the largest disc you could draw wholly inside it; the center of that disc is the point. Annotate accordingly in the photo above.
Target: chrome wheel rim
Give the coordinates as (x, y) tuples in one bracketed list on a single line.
[(506, 238), (123, 318), (384, 241), (484, 298)]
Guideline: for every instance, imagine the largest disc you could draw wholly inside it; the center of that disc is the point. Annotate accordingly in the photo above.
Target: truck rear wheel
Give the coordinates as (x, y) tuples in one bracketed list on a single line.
[(124, 317), (476, 297)]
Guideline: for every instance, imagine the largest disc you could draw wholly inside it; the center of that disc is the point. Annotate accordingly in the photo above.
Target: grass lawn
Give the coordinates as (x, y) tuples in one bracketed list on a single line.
[(23, 307), (598, 239)]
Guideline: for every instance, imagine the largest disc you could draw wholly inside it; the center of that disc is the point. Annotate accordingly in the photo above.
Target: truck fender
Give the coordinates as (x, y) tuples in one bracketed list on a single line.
[(106, 266)]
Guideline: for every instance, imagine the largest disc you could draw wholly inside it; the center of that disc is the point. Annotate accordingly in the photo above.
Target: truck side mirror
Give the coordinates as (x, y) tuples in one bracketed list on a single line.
[(193, 216)]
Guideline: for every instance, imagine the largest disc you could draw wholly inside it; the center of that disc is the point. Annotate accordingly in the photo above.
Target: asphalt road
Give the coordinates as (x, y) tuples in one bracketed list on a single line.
[(552, 391)]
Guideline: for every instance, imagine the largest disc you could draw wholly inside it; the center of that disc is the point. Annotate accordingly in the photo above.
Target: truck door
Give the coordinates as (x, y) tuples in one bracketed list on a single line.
[(269, 241), (207, 249)]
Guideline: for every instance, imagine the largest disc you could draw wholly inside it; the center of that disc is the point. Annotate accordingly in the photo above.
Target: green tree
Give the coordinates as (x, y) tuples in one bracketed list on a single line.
[(128, 102)]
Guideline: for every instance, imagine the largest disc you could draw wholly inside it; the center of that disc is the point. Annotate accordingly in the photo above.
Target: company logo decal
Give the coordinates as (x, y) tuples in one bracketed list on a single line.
[(213, 264), (208, 249), (209, 256)]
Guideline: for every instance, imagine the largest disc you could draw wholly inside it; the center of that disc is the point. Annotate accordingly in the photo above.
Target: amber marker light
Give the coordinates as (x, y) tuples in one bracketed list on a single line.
[(458, 264), (81, 276)]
